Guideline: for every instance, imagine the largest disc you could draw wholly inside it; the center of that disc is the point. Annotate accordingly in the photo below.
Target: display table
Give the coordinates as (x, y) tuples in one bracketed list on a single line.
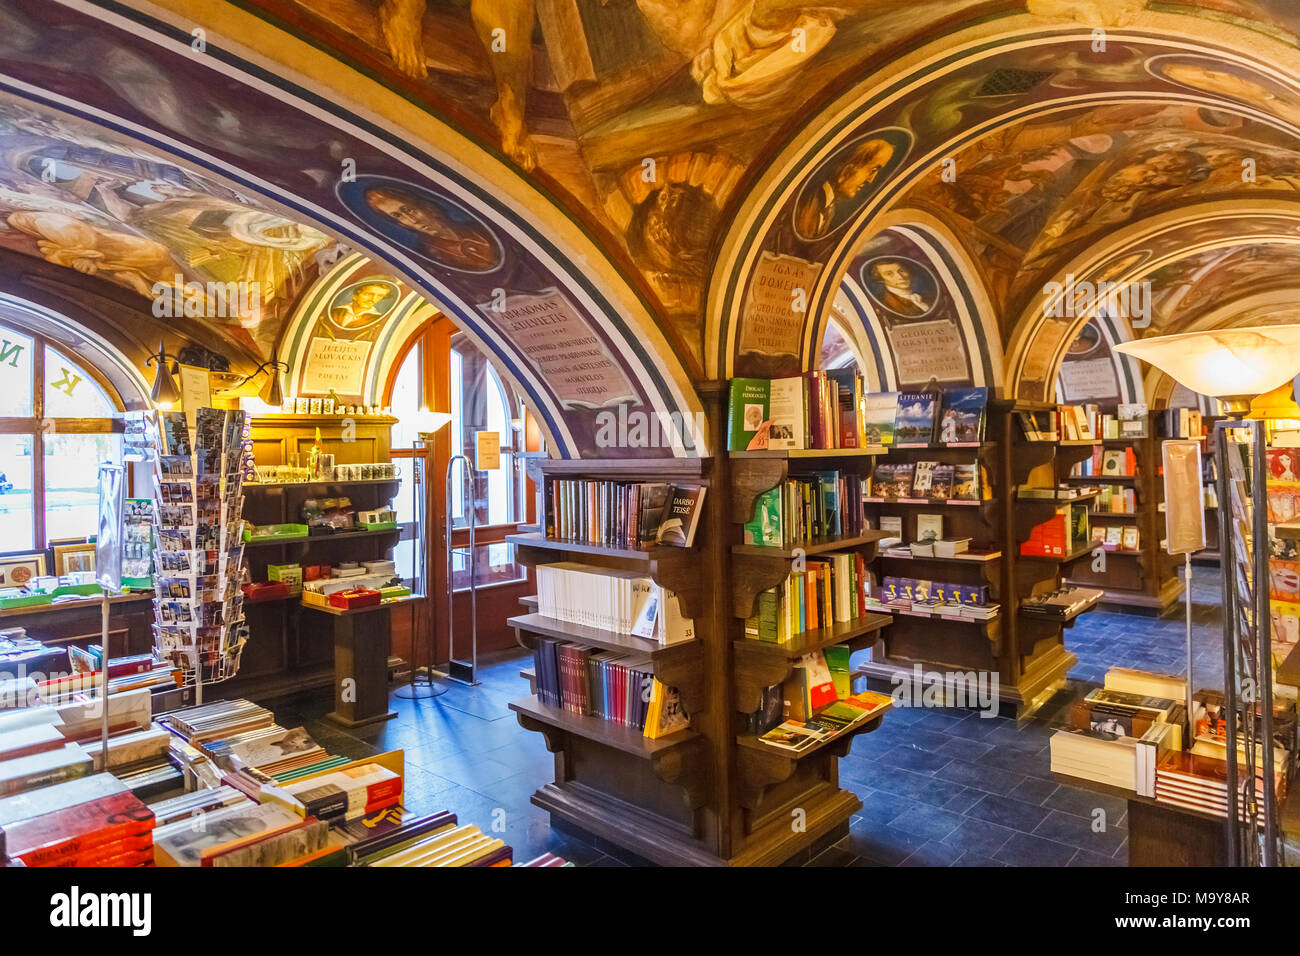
[(361, 641), (1161, 834)]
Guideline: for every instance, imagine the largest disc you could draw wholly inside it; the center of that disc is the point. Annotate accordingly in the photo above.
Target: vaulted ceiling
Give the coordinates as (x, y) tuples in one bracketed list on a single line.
[(693, 189)]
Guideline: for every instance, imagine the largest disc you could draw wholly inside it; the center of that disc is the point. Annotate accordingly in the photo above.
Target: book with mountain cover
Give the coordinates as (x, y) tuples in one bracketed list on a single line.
[(961, 416)]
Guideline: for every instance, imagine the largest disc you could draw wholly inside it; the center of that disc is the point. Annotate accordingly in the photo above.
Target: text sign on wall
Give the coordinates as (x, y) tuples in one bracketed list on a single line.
[(335, 364)]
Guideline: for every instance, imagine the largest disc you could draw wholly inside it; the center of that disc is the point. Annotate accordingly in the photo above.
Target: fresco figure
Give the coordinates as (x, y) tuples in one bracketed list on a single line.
[(894, 284), (842, 187), (463, 246)]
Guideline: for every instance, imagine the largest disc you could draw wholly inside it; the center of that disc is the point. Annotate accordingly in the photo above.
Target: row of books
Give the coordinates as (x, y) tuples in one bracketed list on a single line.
[(1117, 537), (832, 409), (832, 588), (619, 688), (624, 602), (1062, 534), (622, 514), (802, 509), (1115, 500), (931, 480), (924, 595), (834, 720), (1107, 462)]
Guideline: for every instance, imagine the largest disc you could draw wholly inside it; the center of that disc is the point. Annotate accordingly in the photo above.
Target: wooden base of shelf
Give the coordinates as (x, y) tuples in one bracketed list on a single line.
[(1043, 678), (606, 732)]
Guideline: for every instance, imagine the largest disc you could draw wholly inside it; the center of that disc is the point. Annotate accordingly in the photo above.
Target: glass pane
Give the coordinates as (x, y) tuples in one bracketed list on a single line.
[(72, 481), (406, 400), (479, 403), (17, 528), (70, 392), (495, 565), (15, 374)]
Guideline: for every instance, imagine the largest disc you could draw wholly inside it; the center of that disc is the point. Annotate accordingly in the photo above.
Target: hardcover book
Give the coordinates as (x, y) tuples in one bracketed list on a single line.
[(882, 411), (941, 481), (748, 411), (965, 482), (785, 414), (961, 419), (681, 516), (914, 422), (922, 479)]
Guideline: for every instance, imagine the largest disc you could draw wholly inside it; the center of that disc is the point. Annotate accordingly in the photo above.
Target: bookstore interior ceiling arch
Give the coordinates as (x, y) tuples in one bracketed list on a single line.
[(1210, 264), (919, 302), (214, 168), (1029, 143)]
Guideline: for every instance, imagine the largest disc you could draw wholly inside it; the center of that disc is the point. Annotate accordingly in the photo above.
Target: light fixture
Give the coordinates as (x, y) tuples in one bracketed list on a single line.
[(1233, 365), (164, 393), (273, 391)]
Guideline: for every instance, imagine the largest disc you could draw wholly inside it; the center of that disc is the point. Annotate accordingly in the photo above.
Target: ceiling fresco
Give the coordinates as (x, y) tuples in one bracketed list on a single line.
[(78, 200), (698, 180)]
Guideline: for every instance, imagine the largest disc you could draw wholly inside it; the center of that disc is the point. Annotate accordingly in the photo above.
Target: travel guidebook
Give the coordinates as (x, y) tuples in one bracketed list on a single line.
[(882, 410), (961, 418), (914, 423)]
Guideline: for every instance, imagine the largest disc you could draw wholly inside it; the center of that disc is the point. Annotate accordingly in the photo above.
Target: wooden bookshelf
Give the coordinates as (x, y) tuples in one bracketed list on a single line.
[(1142, 580), (1029, 659)]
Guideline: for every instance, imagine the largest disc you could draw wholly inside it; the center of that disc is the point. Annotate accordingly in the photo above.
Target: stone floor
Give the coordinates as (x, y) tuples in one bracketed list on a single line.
[(938, 787)]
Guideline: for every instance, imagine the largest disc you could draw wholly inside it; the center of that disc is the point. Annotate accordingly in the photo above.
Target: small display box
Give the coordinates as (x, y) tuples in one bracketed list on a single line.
[(355, 598)]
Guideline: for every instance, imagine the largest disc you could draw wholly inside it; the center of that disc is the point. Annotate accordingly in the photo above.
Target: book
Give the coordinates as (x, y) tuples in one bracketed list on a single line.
[(681, 516), (929, 527), (914, 421), (941, 481), (922, 479), (850, 398), (961, 415), (765, 528), (69, 835), (965, 482), (786, 413), (43, 768), (881, 413), (747, 413), (665, 714)]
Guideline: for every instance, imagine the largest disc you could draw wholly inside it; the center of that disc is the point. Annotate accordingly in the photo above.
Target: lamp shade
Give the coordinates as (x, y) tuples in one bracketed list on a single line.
[(164, 392), (1224, 363)]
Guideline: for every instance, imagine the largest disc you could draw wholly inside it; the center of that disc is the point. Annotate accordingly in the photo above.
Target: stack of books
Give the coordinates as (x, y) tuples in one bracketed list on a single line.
[(833, 720), (95, 821), (1196, 782)]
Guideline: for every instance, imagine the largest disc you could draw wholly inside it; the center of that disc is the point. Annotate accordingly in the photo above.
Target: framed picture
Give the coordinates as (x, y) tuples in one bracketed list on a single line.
[(73, 557), (18, 570)]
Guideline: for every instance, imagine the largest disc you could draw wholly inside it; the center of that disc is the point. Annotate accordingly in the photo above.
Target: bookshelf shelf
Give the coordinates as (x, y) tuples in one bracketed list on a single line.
[(595, 637), (320, 483), (812, 547), (535, 540), (963, 558), (628, 740), (760, 664), (319, 538), (1058, 501), (353, 612), (1111, 514), (910, 446), (803, 454), (931, 502), (761, 766), (1100, 479), (1079, 552)]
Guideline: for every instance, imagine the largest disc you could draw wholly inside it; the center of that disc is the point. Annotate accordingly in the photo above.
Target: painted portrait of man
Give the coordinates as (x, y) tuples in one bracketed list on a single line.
[(846, 181), (903, 286)]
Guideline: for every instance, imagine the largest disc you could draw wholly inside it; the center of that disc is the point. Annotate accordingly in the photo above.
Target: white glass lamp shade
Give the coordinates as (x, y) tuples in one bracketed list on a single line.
[(1225, 363)]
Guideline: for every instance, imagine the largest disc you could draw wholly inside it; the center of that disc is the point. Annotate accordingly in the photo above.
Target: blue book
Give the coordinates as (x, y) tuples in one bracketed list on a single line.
[(914, 421)]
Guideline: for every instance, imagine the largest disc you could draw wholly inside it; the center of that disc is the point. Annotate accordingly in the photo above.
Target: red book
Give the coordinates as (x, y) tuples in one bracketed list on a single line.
[(44, 840)]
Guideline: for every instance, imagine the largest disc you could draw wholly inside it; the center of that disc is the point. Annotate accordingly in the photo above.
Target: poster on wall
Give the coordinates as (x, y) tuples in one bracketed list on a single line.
[(568, 355), (1089, 379), (335, 364), (771, 323), (929, 350)]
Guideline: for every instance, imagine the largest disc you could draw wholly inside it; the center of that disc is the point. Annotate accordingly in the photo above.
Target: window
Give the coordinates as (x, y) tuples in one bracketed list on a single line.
[(56, 427), (480, 401), (406, 402)]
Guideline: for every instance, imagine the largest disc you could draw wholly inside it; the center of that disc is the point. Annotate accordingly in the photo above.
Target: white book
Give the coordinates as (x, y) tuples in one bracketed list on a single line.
[(785, 412)]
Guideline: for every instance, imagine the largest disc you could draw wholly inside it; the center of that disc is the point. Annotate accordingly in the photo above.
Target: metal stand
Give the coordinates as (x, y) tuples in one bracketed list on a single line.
[(457, 670), (420, 684), (1247, 651), (1187, 585)]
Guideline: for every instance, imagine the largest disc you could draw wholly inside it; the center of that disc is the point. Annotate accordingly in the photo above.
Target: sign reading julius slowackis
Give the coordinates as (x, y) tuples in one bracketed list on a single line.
[(570, 358), (335, 364)]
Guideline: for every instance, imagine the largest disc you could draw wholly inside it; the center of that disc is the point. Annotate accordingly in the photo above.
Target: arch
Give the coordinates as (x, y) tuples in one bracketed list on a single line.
[(934, 91), (961, 301), (1047, 325), (332, 115), (81, 342)]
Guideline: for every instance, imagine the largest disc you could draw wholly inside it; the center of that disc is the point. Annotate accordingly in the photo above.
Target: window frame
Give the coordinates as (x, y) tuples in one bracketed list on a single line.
[(38, 426)]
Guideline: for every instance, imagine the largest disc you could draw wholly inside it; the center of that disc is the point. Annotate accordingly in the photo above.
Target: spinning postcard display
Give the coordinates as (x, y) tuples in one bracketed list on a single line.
[(199, 617)]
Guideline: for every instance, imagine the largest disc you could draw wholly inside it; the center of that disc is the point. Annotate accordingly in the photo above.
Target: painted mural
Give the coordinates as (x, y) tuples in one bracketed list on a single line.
[(85, 202), (909, 314), (1026, 179)]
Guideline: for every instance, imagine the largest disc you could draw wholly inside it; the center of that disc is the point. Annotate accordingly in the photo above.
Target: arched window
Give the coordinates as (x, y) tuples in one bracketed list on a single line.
[(56, 427)]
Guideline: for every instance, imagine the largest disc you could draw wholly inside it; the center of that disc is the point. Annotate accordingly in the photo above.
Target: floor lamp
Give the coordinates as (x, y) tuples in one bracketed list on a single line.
[(1235, 366)]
